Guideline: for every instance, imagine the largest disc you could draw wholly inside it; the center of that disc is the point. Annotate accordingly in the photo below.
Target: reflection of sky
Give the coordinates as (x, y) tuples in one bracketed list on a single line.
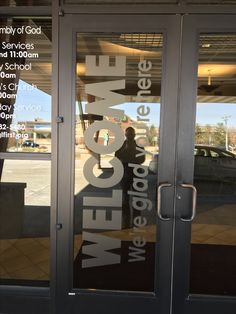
[(207, 113), (130, 109), (212, 113), (36, 101)]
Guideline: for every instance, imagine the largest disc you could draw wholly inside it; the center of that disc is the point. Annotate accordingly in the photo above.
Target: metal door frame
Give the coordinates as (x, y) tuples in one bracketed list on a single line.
[(23, 298), (183, 301), (83, 300)]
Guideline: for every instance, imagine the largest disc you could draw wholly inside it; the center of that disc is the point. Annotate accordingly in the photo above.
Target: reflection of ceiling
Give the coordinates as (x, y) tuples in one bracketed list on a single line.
[(124, 44), (217, 65), (42, 67), (216, 99), (103, 47), (217, 58), (142, 41), (108, 47)]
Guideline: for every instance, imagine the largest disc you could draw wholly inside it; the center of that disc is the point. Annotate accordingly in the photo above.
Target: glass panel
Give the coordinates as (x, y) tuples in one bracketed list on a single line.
[(117, 134), (24, 222), (25, 85), (214, 228), (15, 3)]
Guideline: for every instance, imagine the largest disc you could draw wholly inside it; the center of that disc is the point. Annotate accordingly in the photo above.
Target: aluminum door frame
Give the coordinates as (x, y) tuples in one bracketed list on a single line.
[(183, 302), (72, 301)]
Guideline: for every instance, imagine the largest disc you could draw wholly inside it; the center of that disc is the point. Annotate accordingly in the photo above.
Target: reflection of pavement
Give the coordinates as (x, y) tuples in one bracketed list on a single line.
[(27, 259), (30, 258), (35, 173), (221, 215), (80, 181), (215, 222), (213, 234)]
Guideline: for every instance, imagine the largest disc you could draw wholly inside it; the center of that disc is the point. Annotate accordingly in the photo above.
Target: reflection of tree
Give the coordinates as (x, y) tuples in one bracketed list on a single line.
[(219, 134), (208, 131), (152, 135), (210, 134), (199, 135)]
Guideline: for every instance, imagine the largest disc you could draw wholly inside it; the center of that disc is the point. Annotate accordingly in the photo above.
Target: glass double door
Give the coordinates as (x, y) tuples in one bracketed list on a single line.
[(130, 179)]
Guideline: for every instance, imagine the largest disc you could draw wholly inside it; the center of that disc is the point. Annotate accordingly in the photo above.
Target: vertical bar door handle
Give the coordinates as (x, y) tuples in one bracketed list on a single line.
[(160, 187), (190, 186)]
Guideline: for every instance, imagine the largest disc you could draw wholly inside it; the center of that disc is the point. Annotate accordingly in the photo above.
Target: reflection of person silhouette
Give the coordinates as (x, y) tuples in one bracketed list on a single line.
[(128, 154)]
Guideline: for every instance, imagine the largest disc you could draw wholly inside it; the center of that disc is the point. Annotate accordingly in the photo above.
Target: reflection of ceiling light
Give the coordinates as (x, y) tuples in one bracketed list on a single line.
[(209, 87), (209, 77), (219, 70), (206, 45), (80, 69)]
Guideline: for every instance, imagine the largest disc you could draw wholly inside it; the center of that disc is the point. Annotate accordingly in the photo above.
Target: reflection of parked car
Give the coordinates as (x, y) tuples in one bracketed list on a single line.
[(210, 162), (29, 143), (214, 170), (211, 151)]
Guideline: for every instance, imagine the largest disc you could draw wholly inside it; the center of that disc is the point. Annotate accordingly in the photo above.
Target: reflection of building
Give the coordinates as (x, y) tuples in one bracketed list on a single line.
[(39, 131)]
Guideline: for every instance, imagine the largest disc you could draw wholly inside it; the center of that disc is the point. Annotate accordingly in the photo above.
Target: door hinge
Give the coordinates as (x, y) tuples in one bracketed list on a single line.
[(60, 119)]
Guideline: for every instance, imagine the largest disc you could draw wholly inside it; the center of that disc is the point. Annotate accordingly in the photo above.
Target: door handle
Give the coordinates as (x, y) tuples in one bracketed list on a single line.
[(190, 186), (160, 187)]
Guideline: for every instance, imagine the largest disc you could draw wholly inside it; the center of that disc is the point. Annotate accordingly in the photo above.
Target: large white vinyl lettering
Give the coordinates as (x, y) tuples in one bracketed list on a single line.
[(99, 250), (104, 90)]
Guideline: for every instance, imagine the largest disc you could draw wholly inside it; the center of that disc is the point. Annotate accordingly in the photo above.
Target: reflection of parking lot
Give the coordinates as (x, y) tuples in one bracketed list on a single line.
[(35, 173)]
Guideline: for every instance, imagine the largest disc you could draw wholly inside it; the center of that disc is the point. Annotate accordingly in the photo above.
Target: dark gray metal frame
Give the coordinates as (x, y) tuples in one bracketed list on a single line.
[(193, 26), (181, 7), (35, 300), (66, 297)]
